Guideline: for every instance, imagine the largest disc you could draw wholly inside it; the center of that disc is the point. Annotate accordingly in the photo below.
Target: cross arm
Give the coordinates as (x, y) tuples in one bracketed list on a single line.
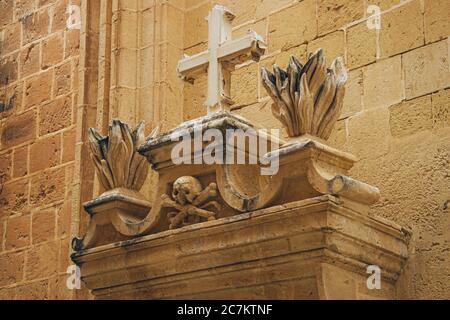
[(230, 54)]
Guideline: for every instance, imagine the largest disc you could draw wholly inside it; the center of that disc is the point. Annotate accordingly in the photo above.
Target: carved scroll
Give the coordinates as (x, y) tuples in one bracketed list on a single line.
[(117, 162), (308, 99)]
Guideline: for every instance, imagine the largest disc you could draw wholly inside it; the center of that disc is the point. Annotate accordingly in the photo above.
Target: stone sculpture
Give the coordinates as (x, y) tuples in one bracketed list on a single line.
[(308, 98), (115, 156), (190, 200)]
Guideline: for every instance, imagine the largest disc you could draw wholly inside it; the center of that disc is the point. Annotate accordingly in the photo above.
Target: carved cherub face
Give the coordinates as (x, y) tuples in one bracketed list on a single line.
[(186, 189)]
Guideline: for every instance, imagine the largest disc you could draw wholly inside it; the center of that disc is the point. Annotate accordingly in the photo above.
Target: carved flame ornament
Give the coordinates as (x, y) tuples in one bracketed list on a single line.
[(115, 157), (190, 200), (308, 98)]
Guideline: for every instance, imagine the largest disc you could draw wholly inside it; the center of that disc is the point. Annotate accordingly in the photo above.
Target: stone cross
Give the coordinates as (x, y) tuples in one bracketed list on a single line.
[(222, 56)]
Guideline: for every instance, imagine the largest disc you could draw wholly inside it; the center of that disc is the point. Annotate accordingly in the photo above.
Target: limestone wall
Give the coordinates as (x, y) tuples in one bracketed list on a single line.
[(38, 85), (396, 116)]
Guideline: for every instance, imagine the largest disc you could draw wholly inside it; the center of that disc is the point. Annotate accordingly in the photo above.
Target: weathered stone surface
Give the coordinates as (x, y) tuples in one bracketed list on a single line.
[(410, 117), (383, 83), (437, 20), (30, 60), (69, 140), (369, 128), (43, 226), (63, 79), (33, 291), (23, 8), (401, 29), (426, 69), (353, 93), (52, 51), (441, 109), (18, 232), (48, 187), (11, 38), (5, 167), (361, 45), (244, 85), (333, 45), (19, 129), (38, 89), (335, 14), (6, 8), (20, 162), (72, 44), (11, 268), (55, 115), (14, 197), (9, 69), (45, 153), (195, 26), (60, 16), (42, 261), (285, 31), (35, 26)]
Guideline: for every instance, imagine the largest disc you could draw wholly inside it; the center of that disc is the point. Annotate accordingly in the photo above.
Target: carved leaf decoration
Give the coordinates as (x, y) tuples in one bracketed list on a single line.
[(307, 99), (115, 157)]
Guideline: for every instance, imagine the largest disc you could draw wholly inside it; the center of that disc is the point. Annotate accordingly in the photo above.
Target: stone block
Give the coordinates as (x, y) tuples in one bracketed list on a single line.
[(437, 20), (48, 187), (38, 89), (42, 261), (63, 79), (332, 45), (23, 8), (11, 268), (18, 129), (52, 51), (55, 115), (33, 291), (72, 45), (11, 37), (353, 93), (401, 29), (45, 153), (11, 99), (69, 139), (7, 10), (5, 167), (286, 30), (35, 26), (29, 60), (195, 25), (369, 134), (361, 45), (18, 232), (244, 85), (383, 83), (14, 197), (411, 116), (265, 7), (9, 69), (426, 69), (441, 109), (59, 16), (20, 162), (43, 227), (335, 14)]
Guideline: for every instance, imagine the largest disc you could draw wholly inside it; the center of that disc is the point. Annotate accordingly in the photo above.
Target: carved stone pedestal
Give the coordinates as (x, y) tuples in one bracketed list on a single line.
[(317, 248)]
